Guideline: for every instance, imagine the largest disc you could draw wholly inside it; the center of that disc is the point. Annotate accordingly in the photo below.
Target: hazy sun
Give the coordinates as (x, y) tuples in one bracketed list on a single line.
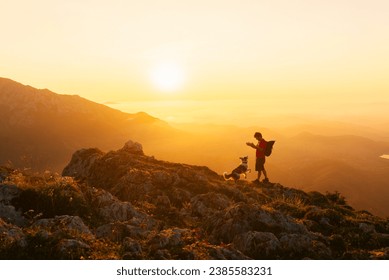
[(167, 77)]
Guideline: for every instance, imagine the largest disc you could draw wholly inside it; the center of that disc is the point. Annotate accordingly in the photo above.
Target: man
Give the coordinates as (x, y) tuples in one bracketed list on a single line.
[(260, 157)]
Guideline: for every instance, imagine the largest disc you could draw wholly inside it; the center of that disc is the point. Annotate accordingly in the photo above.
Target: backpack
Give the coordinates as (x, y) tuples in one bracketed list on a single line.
[(269, 148)]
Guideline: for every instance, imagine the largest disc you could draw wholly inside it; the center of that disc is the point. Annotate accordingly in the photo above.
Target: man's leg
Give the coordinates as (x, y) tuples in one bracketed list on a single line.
[(259, 175), (265, 173)]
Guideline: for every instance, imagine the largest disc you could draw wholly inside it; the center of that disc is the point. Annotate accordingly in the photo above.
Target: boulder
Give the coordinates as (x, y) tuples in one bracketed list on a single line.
[(71, 249), (118, 231), (133, 148), (10, 215), (81, 163), (112, 209), (168, 238), (7, 210), (65, 223), (298, 246), (258, 245), (204, 205), (8, 192), (132, 249), (11, 236), (241, 218)]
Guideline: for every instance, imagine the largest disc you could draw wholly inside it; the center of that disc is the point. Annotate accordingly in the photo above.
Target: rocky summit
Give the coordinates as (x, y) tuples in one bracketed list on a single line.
[(127, 205)]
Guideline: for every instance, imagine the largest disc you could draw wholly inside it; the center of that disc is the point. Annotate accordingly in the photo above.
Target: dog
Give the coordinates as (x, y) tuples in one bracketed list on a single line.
[(242, 169)]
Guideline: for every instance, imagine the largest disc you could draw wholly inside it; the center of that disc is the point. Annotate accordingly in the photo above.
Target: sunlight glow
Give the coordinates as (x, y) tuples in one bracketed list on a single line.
[(167, 77)]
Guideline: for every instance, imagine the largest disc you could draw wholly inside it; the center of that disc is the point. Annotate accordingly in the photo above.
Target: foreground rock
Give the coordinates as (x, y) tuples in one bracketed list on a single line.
[(126, 205)]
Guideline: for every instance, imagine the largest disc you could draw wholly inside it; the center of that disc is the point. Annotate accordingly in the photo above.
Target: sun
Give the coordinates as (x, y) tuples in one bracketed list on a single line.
[(167, 77)]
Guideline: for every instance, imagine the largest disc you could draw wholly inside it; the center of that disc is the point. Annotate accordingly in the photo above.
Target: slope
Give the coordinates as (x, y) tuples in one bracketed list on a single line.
[(40, 129), (126, 205)]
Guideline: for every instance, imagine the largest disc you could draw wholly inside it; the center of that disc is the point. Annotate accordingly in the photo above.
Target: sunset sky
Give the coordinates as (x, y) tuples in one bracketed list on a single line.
[(204, 60)]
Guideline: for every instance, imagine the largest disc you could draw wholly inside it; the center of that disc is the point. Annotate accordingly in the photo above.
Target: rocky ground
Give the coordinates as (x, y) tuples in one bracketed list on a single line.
[(127, 205)]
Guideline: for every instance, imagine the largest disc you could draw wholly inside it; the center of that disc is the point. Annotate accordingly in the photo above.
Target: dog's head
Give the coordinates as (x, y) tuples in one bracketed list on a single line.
[(244, 159)]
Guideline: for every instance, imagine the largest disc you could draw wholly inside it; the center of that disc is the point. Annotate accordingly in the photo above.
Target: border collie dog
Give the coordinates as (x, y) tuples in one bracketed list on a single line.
[(241, 169)]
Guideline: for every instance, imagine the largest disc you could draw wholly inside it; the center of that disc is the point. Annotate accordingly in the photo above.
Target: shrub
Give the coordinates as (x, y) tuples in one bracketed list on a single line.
[(336, 198), (59, 197)]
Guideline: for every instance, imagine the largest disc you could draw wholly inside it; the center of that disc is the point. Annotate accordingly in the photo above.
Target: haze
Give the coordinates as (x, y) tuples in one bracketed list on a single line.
[(242, 61), (282, 67)]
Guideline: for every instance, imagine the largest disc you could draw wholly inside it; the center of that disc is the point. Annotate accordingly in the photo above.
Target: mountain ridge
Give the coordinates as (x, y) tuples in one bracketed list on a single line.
[(45, 128), (14, 95)]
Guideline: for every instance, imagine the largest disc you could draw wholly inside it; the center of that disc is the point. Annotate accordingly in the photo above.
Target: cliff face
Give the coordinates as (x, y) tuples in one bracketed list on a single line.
[(126, 205)]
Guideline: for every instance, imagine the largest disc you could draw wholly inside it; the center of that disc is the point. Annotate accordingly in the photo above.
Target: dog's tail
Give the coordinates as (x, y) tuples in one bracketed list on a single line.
[(226, 176)]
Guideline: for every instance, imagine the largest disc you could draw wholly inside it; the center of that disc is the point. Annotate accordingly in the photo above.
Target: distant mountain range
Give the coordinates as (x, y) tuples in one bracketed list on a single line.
[(40, 129)]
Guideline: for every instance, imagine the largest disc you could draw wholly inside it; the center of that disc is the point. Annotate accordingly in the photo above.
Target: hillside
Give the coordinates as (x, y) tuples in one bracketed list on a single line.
[(349, 164), (127, 205), (346, 163), (40, 129)]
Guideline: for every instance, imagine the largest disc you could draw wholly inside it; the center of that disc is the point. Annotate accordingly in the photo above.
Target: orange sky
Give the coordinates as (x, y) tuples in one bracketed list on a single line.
[(226, 57)]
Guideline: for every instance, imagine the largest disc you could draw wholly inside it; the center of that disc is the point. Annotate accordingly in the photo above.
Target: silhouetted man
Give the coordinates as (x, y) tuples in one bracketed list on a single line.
[(260, 156)]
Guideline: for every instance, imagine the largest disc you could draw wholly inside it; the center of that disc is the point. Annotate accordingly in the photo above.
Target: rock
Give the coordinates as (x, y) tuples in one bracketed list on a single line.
[(168, 238), (325, 221), (133, 148), (241, 218), (381, 238), (131, 176), (11, 237), (367, 228), (225, 252), (71, 249), (10, 215), (325, 216), (337, 243), (133, 185), (111, 209), (163, 178), (8, 192), (132, 249), (298, 246), (7, 210), (82, 162), (71, 224), (204, 205), (118, 231), (162, 255), (196, 174), (258, 245)]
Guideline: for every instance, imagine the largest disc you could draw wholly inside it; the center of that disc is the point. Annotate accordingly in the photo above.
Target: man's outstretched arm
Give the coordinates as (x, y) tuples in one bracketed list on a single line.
[(251, 145)]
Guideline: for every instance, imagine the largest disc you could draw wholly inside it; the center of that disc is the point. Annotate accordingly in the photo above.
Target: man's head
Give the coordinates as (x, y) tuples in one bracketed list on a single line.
[(258, 136)]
